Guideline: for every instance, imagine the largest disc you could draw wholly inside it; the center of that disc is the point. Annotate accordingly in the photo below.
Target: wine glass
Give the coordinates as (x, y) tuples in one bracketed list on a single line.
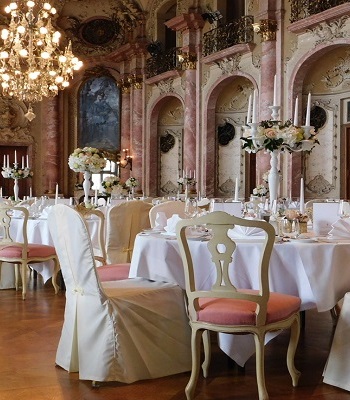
[(290, 228), (191, 207), (344, 209)]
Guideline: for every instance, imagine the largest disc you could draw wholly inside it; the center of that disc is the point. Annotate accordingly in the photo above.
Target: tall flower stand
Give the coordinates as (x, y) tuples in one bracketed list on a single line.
[(86, 186), (273, 178), (15, 189)]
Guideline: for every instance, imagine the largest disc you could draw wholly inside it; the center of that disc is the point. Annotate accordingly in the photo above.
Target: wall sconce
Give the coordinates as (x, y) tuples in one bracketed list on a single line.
[(187, 60), (267, 28), (126, 161)]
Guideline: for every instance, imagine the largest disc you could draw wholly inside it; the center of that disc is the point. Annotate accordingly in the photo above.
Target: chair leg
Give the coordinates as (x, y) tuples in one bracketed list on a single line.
[(260, 367), (195, 351), (293, 343), (55, 272), (17, 276), (207, 353), (24, 280)]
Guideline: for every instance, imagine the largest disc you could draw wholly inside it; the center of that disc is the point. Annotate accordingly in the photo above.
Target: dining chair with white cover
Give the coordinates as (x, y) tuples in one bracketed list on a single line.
[(230, 309), (106, 272), (124, 331), (169, 208), (123, 222), (23, 253)]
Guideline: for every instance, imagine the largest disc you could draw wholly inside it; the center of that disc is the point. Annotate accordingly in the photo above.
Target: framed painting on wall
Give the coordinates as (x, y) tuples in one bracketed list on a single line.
[(100, 114)]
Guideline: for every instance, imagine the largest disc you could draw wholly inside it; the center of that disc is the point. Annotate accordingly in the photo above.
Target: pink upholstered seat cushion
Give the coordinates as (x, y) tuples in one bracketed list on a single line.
[(242, 312), (113, 272), (34, 250)]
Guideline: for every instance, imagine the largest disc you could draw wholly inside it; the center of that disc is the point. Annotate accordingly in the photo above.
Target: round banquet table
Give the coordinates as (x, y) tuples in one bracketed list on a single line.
[(316, 271)]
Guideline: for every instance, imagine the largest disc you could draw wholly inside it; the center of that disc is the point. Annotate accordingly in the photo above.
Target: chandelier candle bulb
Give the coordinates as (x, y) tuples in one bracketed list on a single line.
[(296, 112), (301, 200)]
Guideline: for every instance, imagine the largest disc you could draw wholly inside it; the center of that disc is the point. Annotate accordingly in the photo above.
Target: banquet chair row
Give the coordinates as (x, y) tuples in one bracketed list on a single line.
[(20, 252), (116, 237), (169, 208), (124, 331), (229, 309)]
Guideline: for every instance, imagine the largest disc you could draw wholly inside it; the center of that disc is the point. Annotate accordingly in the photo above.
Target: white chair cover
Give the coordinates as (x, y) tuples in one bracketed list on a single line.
[(337, 370), (126, 331), (169, 208)]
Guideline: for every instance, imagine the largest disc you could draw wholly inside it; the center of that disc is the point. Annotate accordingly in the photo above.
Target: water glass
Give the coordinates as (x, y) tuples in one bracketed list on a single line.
[(344, 209), (191, 207), (290, 228)]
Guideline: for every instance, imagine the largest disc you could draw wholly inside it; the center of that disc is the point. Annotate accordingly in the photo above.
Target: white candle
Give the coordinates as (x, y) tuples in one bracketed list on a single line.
[(275, 91), (1, 191), (22, 162), (308, 110), (194, 174), (27, 161), (236, 189), (96, 197), (56, 194), (30, 192), (8, 161), (249, 112), (183, 173), (255, 99), (296, 112), (4, 163), (301, 200), (15, 157)]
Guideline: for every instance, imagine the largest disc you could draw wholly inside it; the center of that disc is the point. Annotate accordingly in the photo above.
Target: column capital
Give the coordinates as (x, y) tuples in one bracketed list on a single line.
[(267, 28)]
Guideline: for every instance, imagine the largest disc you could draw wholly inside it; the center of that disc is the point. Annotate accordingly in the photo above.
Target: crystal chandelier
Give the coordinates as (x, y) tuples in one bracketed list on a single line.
[(32, 66)]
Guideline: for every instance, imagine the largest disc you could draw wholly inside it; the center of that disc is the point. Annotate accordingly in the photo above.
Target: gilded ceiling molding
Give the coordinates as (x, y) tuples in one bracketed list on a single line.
[(267, 28)]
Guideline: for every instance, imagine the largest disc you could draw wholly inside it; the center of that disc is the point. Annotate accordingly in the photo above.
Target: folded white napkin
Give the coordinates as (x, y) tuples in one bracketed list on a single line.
[(340, 228), (243, 231), (161, 220), (171, 223), (203, 202)]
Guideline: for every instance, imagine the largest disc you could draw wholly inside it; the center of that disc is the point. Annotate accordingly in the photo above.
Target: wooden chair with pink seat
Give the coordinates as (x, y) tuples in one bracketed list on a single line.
[(23, 253), (229, 309)]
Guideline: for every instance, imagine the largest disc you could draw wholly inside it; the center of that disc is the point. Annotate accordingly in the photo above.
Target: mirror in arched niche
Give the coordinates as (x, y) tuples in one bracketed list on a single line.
[(170, 129), (99, 111)]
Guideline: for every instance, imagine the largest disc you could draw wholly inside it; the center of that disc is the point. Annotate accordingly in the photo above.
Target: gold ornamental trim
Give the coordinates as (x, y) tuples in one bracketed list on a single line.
[(267, 28)]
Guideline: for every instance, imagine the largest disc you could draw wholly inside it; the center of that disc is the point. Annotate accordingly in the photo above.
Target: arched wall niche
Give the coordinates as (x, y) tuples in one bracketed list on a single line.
[(152, 150), (219, 181), (324, 169)]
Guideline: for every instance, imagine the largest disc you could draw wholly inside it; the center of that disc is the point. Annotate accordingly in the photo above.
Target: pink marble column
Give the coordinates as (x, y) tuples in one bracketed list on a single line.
[(136, 135), (189, 138), (50, 140), (125, 132)]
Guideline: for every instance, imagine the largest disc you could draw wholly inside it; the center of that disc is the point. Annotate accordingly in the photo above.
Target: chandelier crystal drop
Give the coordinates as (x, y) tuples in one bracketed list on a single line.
[(32, 66)]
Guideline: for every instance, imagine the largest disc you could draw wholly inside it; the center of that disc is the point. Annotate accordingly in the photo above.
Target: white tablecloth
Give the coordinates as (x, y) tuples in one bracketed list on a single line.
[(317, 272), (38, 232)]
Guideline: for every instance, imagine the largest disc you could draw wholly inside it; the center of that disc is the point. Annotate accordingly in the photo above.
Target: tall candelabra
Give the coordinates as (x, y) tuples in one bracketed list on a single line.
[(16, 173)]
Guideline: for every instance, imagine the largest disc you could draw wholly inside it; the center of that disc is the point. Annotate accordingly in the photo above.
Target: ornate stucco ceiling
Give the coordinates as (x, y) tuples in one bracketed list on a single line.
[(95, 27)]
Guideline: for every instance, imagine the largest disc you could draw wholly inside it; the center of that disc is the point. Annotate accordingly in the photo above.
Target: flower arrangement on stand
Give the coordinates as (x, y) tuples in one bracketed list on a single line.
[(87, 160), (109, 183), (132, 183), (260, 191), (16, 173)]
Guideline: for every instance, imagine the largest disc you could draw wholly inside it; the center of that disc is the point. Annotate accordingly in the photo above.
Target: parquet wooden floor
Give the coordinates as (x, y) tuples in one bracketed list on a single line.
[(30, 331)]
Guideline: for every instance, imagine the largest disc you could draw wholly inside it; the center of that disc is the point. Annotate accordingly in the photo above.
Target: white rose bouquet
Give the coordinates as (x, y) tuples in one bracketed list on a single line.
[(87, 159), (109, 182)]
